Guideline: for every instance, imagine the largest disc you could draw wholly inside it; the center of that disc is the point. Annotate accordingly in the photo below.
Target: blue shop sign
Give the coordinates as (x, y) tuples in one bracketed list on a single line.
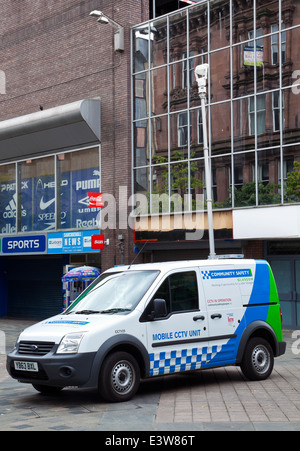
[(71, 242), (35, 244)]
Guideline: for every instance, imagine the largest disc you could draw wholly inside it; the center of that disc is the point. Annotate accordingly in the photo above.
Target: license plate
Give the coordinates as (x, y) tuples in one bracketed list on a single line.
[(26, 366)]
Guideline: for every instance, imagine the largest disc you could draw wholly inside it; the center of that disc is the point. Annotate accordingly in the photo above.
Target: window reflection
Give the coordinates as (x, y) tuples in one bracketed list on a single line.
[(252, 100)]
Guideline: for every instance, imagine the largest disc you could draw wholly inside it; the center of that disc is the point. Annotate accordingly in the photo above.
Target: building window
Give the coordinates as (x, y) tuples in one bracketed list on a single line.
[(252, 116), (259, 38), (260, 114), (188, 67), (182, 128), (263, 173), (276, 111), (200, 127), (275, 45)]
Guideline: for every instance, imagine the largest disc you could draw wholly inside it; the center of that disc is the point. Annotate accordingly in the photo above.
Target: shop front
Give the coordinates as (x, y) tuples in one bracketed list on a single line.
[(32, 267), (49, 162)]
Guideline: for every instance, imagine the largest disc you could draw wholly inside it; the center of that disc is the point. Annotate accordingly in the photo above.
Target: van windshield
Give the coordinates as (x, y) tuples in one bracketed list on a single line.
[(113, 293)]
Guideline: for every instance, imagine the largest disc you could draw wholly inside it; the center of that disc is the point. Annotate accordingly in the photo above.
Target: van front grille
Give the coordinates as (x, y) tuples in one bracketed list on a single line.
[(35, 348)]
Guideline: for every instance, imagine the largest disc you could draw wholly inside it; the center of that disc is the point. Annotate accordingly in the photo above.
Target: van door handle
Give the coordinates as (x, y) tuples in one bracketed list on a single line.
[(199, 318), (216, 315)]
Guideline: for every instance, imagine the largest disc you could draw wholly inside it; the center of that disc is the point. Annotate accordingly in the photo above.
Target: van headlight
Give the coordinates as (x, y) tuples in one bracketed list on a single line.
[(70, 343)]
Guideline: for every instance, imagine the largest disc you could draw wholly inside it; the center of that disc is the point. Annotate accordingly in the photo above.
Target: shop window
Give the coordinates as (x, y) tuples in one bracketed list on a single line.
[(8, 199), (37, 195), (79, 175)]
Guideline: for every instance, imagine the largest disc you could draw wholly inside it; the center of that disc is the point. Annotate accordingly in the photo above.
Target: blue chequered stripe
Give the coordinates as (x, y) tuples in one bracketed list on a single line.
[(206, 275), (181, 360)]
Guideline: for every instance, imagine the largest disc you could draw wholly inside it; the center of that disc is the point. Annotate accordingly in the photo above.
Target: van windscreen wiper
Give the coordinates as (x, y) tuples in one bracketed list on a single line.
[(87, 312), (116, 310)]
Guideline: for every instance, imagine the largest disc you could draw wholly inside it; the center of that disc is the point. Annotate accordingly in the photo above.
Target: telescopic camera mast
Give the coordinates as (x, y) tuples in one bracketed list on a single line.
[(201, 75)]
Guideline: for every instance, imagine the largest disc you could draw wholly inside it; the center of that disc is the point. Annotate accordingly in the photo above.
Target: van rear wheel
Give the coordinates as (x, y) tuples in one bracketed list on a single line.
[(119, 377), (258, 360)]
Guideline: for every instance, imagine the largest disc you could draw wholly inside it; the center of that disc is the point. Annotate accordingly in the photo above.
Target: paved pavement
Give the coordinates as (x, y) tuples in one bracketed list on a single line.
[(218, 399)]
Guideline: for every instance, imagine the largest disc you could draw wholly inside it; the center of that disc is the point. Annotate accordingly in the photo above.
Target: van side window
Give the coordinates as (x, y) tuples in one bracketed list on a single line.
[(164, 293), (184, 291), (180, 291)]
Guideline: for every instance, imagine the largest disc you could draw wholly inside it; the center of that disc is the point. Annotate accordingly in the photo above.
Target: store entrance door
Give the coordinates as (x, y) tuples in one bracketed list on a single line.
[(287, 275)]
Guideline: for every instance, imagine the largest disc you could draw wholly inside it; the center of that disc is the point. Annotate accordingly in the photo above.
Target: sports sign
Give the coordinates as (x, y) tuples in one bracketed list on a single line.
[(35, 244)]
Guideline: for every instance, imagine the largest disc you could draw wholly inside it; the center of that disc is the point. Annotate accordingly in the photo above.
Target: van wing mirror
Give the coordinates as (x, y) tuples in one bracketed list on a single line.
[(159, 308)]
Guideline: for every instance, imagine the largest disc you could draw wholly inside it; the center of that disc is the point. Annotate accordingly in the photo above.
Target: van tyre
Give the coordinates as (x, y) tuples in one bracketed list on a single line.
[(258, 360), (119, 377)]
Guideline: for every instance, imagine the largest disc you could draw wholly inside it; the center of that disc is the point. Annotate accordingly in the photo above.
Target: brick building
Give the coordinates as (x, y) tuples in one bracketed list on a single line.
[(64, 132)]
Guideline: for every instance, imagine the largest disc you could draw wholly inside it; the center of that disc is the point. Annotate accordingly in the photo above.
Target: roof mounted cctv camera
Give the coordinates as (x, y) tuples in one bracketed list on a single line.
[(201, 75)]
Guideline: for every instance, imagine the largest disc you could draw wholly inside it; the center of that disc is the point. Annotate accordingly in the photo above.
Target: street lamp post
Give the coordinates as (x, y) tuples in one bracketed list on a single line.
[(201, 75), (119, 30)]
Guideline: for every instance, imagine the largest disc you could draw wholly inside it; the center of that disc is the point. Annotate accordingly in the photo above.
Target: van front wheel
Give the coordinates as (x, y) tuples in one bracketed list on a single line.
[(119, 377), (258, 360)]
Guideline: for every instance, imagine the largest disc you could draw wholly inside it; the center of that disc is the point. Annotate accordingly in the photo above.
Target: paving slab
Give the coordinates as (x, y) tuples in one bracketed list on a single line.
[(211, 400)]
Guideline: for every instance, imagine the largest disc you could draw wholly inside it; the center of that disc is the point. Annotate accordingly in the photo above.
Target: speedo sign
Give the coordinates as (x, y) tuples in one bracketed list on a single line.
[(24, 244)]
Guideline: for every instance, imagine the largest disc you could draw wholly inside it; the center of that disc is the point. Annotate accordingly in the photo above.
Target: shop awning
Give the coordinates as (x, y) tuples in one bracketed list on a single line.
[(64, 127)]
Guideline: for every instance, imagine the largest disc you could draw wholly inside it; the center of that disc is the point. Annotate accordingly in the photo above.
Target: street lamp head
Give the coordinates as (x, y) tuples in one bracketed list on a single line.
[(101, 17), (95, 13), (119, 30)]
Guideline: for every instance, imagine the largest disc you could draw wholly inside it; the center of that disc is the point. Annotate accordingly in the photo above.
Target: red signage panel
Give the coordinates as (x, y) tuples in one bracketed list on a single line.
[(98, 241), (95, 200)]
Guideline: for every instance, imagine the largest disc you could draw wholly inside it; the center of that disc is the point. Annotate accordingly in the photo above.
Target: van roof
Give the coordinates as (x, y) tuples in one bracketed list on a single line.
[(163, 266)]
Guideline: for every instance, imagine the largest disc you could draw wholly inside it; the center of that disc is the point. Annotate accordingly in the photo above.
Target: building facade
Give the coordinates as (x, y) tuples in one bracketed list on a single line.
[(253, 130), (64, 132)]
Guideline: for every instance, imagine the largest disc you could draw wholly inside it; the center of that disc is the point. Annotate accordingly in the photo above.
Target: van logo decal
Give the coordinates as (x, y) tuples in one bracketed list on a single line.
[(73, 323), (226, 274), (34, 348)]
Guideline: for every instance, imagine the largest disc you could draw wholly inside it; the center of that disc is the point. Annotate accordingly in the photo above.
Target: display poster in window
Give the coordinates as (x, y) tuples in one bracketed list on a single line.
[(37, 202)]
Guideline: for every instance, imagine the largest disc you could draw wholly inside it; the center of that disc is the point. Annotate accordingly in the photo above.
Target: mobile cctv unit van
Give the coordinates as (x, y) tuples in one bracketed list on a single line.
[(156, 319)]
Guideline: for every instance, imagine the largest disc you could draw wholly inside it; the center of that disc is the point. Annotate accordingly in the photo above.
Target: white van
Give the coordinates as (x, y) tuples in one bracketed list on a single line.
[(155, 319)]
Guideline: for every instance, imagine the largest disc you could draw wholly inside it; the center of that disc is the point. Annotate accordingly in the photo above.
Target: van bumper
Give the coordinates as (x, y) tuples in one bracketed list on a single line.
[(53, 370)]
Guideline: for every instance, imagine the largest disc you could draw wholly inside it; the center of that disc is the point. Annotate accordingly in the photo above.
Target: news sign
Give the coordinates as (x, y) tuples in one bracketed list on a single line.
[(70, 242)]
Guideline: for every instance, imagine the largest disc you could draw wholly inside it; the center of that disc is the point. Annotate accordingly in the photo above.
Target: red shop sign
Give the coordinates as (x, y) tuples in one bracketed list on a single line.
[(98, 241), (95, 200)]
